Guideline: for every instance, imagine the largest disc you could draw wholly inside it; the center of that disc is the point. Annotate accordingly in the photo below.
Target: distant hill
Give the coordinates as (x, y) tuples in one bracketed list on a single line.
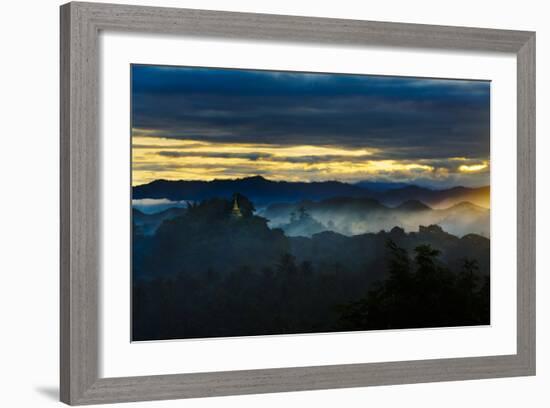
[(437, 198), (150, 222), (258, 189), (412, 205), (263, 192), (353, 216), (380, 186)]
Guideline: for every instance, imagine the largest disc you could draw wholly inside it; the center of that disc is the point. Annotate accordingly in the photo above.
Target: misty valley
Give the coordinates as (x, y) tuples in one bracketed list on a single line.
[(252, 256)]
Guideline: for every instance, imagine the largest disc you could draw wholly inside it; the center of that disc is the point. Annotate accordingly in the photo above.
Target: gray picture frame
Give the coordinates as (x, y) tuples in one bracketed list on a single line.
[(81, 24)]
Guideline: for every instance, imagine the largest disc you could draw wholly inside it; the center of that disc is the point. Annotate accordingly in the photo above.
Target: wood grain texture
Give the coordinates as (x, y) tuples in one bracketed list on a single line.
[(80, 233), (202, 23), (79, 204), (526, 190)]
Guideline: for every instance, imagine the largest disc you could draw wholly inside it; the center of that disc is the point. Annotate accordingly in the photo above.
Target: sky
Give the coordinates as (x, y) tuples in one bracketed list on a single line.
[(191, 123)]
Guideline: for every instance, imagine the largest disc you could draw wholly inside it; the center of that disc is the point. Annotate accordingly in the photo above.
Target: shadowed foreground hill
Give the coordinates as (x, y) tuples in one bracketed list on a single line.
[(214, 272), (148, 223)]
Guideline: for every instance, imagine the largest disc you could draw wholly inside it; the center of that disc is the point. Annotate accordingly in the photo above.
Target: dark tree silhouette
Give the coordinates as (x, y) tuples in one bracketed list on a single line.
[(246, 206), (431, 296)]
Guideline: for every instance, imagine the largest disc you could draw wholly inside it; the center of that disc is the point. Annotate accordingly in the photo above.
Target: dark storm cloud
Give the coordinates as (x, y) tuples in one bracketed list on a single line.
[(156, 146), (404, 117), (234, 169), (218, 155), (439, 164)]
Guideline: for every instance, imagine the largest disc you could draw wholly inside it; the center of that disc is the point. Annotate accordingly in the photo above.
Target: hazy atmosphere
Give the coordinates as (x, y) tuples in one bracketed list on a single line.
[(269, 202)]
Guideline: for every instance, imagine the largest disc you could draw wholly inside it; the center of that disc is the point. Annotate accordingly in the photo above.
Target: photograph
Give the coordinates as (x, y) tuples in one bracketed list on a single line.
[(272, 202)]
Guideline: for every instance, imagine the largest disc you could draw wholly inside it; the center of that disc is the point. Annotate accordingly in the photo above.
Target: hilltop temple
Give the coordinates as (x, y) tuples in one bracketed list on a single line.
[(236, 211)]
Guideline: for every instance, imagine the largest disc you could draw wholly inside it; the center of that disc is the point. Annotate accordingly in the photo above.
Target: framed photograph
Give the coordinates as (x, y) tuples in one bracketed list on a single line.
[(260, 203)]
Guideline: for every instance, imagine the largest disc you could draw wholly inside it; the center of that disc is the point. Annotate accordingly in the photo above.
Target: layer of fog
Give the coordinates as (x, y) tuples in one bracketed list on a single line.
[(156, 205), (306, 220)]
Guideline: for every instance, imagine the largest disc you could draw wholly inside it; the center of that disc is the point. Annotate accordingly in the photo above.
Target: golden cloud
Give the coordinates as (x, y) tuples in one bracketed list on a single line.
[(172, 159)]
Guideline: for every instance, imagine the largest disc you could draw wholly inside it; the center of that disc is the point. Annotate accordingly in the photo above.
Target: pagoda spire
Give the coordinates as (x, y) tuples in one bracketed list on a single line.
[(236, 211)]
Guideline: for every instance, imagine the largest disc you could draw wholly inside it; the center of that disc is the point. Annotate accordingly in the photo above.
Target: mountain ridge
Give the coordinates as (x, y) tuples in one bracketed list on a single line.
[(353, 215), (263, 191)]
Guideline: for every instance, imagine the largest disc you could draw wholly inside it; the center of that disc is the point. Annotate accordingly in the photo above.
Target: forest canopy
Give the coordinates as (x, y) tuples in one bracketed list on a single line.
[(210, 272)]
